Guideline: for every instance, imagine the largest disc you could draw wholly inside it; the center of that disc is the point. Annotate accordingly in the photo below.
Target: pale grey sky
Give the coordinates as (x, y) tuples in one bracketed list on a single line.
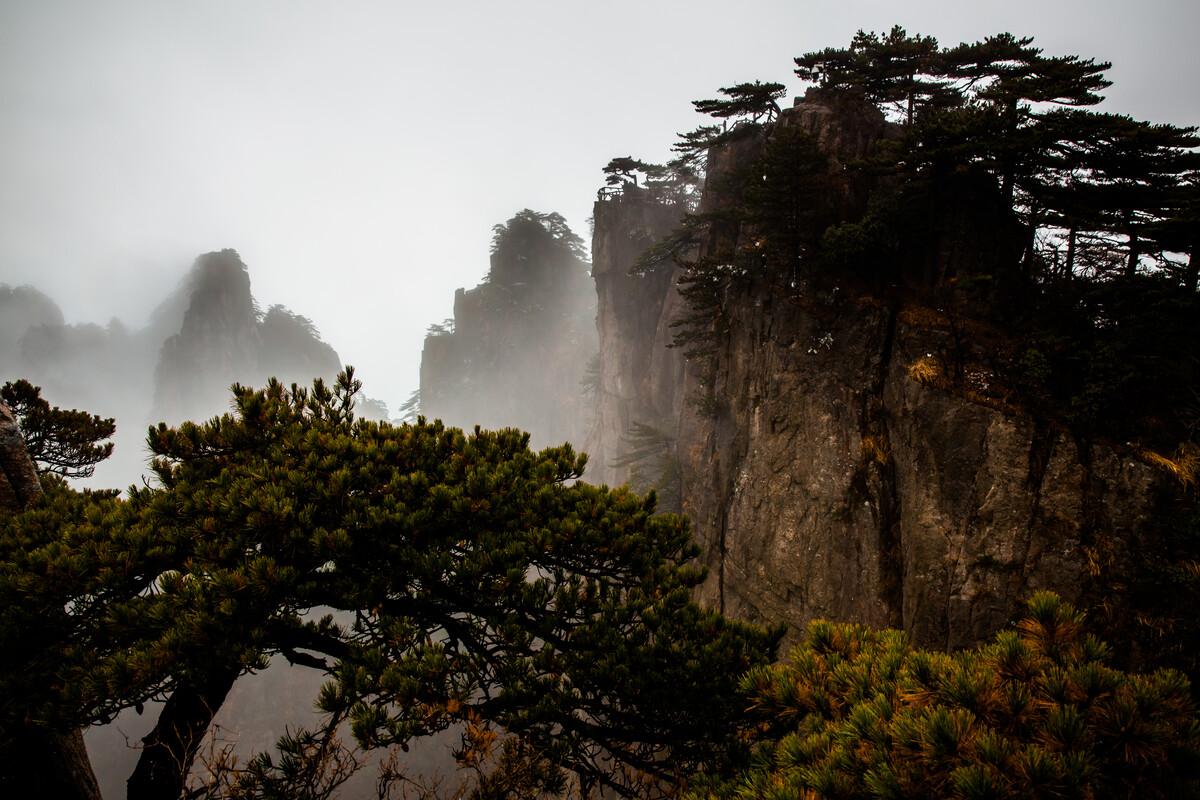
[(357, 153)]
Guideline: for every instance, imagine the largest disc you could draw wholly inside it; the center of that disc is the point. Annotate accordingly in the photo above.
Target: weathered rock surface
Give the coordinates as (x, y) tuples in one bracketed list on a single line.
[(825, 481), (222, 339), (836, 485), (639, 377)]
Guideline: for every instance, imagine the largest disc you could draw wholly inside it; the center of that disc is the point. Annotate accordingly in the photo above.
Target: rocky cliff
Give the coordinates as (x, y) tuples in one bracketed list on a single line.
[(36, 762), (827, 471), (519, 344), (639, 380), (222, 338)]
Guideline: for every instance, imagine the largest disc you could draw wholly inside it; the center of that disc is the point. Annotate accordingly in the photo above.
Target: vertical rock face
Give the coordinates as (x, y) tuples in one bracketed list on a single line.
[(834, 484), (19, 483), (200, 339), (519, 344), (638, 380), (825, 480)]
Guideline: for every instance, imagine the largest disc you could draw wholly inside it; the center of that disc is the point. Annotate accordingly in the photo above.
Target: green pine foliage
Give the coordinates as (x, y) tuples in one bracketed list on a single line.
[(789, 199), (674, 183), (1003, 106), (484, 585), (1060, 238), (750, 102), (1038, 712), (626, 169), (693, 146), (895, 70), (532, 238), (65, 443)]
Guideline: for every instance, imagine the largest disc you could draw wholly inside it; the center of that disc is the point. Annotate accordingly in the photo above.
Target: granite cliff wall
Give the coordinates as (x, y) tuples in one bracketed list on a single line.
[(640, 379), (826, 475)]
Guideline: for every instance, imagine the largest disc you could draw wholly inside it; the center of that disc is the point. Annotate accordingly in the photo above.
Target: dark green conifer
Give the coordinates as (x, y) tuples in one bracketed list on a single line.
[(66, 443), (483, 584), (894, 69), (751, 102), (860, 713)]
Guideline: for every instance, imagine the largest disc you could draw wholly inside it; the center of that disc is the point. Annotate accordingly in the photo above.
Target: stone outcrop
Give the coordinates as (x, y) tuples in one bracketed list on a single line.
[(834, 484), (825, 478), (217, 344), (205, 335), (638, 376)]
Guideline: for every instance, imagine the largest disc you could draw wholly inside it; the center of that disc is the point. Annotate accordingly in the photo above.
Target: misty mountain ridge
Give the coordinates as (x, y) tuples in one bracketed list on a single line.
[(882, 357), (205, 335), (517, 348)]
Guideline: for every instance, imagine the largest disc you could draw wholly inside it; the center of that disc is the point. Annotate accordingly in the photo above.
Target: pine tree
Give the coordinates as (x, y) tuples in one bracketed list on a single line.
[(67, 443), (1013, 82), (896, 69), (625, 169), (486, 583), (751, 102), (36, 760), (693, 145), (1038, 712)]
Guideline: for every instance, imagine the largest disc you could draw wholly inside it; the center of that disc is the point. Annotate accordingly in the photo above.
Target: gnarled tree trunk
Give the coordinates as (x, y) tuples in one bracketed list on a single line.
[(169, 749), (35, 761)]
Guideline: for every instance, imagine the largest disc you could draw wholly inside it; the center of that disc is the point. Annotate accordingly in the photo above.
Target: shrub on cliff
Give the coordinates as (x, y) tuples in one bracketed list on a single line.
[(860, 713)]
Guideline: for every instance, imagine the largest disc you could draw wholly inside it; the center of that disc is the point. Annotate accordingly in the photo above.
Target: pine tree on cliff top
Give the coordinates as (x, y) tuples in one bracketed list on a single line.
[(893, 69), (1002, 105), (751, 101)]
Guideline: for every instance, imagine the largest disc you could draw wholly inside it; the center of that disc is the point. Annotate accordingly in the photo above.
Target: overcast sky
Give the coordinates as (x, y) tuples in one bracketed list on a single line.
[(358, 153)]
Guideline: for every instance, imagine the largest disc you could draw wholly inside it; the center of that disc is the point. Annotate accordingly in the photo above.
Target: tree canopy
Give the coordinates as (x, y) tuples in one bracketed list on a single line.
[(894, 69), (745, 101), (1038, 712), (473, 580), (536, 249), (673, 182), (521, 225), (984, 178), (1002, 105), (625, 169), (67, 443)]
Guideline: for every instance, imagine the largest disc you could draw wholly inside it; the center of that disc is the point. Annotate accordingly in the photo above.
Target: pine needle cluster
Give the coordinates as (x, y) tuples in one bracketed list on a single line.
[(1036, 713)]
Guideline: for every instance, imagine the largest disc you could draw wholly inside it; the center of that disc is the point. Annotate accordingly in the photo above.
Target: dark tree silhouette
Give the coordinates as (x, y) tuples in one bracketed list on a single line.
[(745, 101), (67, 443), (486, 584)]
